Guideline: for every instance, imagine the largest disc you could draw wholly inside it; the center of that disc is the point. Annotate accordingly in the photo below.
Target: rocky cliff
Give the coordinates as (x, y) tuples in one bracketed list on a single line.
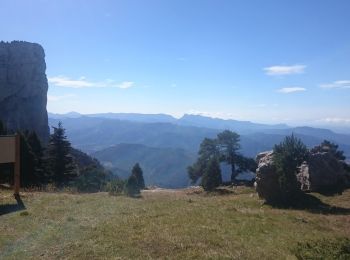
[(23, 87)]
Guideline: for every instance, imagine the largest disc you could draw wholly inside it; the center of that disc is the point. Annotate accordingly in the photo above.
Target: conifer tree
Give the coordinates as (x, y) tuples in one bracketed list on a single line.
[(137, 172), (207, 150), (29, 162), (131, 187), (60, 162), (38, 151), (35, 144), (228, 143), (288, 155), (225, 148), (212, 175), (327, 146)]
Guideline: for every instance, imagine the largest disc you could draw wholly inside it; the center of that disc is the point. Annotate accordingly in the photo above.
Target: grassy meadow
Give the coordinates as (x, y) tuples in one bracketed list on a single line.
[(170, 224)]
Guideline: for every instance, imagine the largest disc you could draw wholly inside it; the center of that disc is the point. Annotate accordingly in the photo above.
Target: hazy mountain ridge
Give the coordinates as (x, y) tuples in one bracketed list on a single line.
[(166, 149), (164, 134), (164, 167), (186, 120), (217, 123), (135, 117), (93, 134)]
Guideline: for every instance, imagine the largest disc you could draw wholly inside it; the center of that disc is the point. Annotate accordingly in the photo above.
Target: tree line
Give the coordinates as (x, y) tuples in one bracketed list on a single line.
[(57, 163), (61, 165)]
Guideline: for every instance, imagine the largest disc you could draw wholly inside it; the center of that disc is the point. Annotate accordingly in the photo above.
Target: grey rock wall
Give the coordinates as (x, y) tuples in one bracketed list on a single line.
[(23, 87)]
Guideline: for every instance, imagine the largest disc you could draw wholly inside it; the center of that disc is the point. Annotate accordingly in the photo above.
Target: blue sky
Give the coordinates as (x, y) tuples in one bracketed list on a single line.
[(265, 61)]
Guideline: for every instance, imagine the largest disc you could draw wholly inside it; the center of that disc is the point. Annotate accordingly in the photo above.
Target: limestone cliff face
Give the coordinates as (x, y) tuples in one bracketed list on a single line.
[(23, 87)]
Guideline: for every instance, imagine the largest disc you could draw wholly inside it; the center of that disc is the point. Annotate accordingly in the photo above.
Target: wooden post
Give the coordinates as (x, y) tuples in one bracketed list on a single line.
[(17, 165)]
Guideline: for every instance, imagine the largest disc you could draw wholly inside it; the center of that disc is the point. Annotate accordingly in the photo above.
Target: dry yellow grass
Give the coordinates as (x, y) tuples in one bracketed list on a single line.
[(183, 224)]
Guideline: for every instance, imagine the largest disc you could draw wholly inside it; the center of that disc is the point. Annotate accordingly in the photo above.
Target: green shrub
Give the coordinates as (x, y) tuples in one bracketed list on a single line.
[(115, 187), (91, 179), (323, 249)]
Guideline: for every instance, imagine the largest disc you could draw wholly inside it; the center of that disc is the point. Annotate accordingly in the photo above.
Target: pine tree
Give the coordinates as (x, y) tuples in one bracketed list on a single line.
[(212, 175), (38, 151), (228, 142), (131, 187), (225, 148), (207, 150), (28, 162), (35, 144), (332, 148), (60, 162), (288, 155), (137, 172)]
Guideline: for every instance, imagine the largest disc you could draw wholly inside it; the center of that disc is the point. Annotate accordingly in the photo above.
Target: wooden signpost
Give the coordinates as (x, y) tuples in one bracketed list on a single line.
[(10, 146)]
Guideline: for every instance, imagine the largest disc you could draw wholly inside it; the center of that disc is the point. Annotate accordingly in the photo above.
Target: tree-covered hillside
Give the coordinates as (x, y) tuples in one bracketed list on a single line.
[(164, 167), (165, 150), (92, 134)]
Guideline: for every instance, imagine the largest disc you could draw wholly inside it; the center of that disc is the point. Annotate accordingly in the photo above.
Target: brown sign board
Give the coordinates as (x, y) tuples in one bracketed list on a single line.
[(10, 153), (7, 149)]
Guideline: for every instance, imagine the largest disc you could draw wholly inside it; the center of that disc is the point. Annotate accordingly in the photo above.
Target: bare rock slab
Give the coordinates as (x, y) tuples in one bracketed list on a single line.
[(23, 87)]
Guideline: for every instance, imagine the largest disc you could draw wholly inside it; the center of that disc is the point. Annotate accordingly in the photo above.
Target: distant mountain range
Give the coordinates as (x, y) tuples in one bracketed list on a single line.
[(165, 146), (187, 120), (145, 118), (164, 167)]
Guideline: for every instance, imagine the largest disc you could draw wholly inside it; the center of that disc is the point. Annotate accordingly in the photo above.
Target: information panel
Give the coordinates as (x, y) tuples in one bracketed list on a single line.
[(7, 149)]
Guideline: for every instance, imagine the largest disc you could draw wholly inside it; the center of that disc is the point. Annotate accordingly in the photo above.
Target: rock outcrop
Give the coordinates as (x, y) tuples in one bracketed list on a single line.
[(23, 87), (322, 172), (266, 180)]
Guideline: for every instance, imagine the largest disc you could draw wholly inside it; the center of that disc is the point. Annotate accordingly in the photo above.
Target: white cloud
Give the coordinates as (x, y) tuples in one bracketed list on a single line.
[(284, 70), (126, 84), (291, 90), (340, 84), (82, 82), (58, 98), (61, 81), (211, 114)]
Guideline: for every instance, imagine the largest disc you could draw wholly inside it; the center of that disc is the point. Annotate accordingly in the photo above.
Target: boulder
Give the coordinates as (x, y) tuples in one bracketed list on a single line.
[(322, 172), (266, 181), (23, 87)]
